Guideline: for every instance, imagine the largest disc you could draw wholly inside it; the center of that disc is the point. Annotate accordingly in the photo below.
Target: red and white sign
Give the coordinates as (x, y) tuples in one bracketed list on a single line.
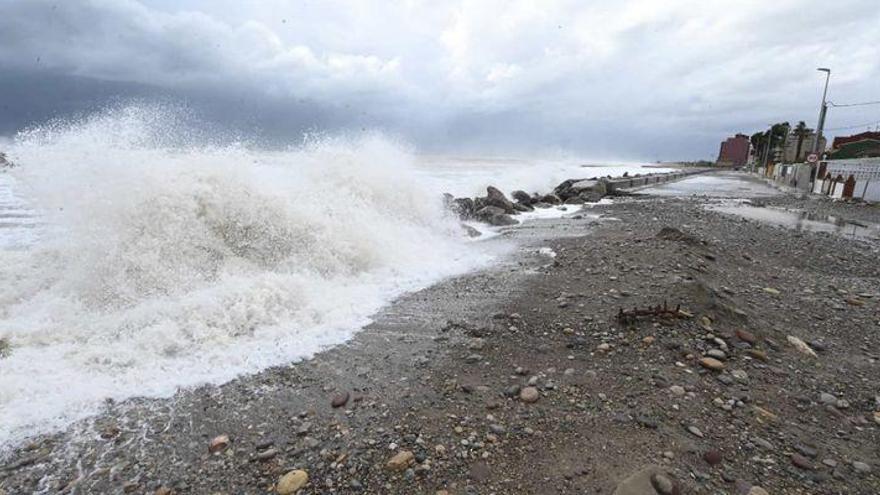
[(812, 158)]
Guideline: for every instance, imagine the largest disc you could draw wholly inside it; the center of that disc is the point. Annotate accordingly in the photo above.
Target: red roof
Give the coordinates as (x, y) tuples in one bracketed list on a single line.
[(841, 140)]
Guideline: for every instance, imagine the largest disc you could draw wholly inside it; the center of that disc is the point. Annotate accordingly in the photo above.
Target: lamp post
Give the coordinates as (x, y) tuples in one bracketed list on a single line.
[(822, 110)]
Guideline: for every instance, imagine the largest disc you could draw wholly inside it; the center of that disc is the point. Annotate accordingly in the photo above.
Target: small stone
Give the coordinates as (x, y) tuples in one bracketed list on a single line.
[(218, 444), (758, 354), (162, 490), (711, 363), (717, 354), (473, 358), (763, 443), (662, 484), (340, 400), (801, 462), (806, 450), (109, 431), (861, 467), (746, 336), (604, 347), (529, 395), (712, 457), (695, 431), (647, 480), (771, 290), (400, 461), (826, 398), (801, 346), (740, 375), (757, 490), (292, 482), (266, 454), (677, 390)]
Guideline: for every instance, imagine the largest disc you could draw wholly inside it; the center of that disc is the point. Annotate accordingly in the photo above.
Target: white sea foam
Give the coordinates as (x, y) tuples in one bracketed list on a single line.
[(164, 266), (152, 261)]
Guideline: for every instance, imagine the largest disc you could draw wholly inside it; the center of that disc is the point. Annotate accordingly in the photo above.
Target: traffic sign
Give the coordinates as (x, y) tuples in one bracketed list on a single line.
[(812, 158)]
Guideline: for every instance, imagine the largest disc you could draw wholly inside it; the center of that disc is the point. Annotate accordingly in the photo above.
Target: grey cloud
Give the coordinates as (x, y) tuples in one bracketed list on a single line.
[(633, 80)]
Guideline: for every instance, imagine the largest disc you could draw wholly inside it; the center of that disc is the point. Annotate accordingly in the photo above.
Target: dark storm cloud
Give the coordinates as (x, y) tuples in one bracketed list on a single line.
[(638, 79)]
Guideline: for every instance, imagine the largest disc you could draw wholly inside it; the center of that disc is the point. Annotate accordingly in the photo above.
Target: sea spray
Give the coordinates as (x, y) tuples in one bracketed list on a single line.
[(168, 263)]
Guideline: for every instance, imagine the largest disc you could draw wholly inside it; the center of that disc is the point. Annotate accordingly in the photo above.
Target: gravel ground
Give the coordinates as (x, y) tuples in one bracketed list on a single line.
[(523, 380)]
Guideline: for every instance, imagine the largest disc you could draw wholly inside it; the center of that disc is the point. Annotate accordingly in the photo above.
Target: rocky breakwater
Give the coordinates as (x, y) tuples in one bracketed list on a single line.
[(495, 208)]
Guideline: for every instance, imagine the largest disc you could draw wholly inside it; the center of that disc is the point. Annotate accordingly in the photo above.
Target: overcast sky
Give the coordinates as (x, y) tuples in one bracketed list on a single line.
[(645, 79)]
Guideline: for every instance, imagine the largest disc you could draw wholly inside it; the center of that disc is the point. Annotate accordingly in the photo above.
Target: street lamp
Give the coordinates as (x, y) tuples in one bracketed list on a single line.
[(822, 110)]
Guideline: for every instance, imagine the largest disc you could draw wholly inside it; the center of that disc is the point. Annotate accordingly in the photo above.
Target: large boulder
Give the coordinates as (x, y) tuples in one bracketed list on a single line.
[(463, 207), (592, 192), (550, 199), (521, 197), (494, 197), (494, 215), (589, 190)]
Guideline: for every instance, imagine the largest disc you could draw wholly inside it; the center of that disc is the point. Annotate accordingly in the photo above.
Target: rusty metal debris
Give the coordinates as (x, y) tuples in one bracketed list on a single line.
[(664, 311)]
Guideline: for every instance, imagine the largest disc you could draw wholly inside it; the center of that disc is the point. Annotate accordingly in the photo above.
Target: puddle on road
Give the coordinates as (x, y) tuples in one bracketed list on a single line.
[(801, 220)]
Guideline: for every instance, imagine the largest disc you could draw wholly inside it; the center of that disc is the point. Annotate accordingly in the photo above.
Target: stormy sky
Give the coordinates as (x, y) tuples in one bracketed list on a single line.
[(641, 79)]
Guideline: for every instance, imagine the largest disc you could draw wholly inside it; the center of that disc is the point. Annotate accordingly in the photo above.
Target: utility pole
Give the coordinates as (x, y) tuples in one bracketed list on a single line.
[(822, 110)]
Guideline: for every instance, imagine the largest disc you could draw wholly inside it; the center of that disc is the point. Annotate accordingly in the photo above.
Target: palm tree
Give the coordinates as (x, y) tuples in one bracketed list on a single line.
[(757, 142), (801, 131)]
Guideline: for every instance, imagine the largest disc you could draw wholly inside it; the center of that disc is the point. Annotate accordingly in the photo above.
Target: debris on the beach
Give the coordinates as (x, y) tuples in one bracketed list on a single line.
[(801, 346), (292, 482), (631, 315), (771, 290), (218, 444)]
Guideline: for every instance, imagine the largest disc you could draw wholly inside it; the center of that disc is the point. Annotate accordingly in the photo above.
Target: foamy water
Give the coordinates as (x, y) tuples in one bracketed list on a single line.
[(135, 266)]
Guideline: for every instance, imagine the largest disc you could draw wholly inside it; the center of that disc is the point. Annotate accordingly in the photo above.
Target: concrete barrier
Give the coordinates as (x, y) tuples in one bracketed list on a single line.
[(626, 184)]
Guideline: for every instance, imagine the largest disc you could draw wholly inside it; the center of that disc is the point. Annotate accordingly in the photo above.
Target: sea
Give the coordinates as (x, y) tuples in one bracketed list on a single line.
[(137, 258)]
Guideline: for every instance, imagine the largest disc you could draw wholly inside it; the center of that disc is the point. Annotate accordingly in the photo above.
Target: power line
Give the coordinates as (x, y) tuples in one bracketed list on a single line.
[(867, 124), (864, 103)]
